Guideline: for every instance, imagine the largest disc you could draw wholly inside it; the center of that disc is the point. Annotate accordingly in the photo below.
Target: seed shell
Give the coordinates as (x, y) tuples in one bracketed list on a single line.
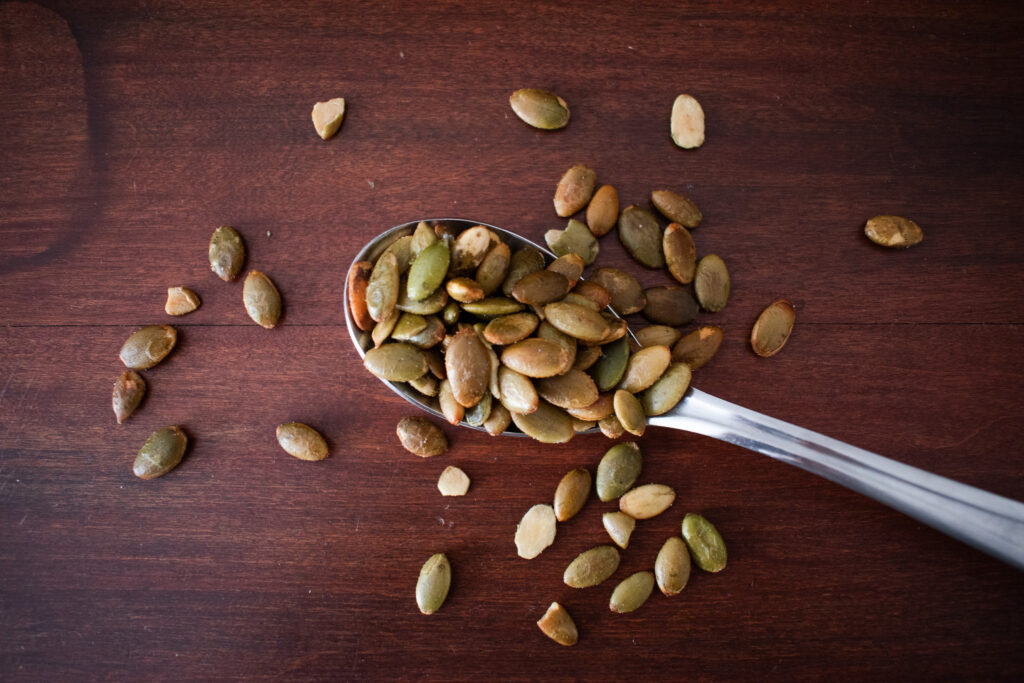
[(536, 531), (148, 346), (181, 300), (592, 567), (672, 567), (327, 117), (618, 470), (262, 300), (558, 625), (705, 543), (893, 231), (421, 437), (301, 441), (687, 123), (433, 584), (572, 493), (574, 190), (161, 453), (603, 210), (772, 329), (129, 389), (641, 236), (620, 527), (711, 283), (647, 501), (540, 108), (227, 253), (680, 253), (632, 592)]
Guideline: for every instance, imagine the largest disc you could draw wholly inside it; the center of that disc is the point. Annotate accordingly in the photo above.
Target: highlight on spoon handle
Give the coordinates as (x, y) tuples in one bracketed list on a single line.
[(990, 523)]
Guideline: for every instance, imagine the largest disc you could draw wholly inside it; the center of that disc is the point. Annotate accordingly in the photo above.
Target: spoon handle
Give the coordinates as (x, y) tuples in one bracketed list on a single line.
[(988, 522)]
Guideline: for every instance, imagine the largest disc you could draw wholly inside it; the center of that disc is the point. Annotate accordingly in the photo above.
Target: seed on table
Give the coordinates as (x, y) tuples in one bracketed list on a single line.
[(705, 543), (668, 305), (687, 123), (672, 567), (398, 362), (680, 253), (540, 108), (433, 584), (129, 388), (620, 527), (647, 501), (893, 231), (327, 117), (301, 441), (557, 625), (453, 482), (262, 300), (358, 279), (148, 346), (421, 437), (670, 388), (572, 389), (546, 424), (592, 567), (698, 347), (226, 253), (180, 300), (574, 190), (626, 294), (677, 208), (541, 287), (427, 271), (536, 531), (640, 234), (618, 470), (468, 367), (631, 593), (161, 453), (575, 239), (711, 283), (517, 391), (572, 493), (772, 329), (603, 210), (645, 367)]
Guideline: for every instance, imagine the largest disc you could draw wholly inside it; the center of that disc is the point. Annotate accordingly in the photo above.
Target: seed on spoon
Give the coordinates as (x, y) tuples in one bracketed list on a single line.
[(698, 347), (592, 567), (358, 279)]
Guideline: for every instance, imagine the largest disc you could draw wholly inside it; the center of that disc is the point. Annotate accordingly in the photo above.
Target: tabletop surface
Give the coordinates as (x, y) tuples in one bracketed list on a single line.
[(132, 130)]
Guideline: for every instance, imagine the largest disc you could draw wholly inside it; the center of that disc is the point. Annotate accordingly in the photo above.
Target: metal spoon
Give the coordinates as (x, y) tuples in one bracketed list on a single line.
[(990, 523)]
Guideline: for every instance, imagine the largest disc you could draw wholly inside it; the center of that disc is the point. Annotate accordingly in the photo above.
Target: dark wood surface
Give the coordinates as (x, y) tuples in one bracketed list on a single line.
[(131, 130)]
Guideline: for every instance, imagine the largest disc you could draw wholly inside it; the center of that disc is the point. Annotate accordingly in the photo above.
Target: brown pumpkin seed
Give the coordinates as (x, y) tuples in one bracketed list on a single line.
[(464, 290), (433, 584), (161, 453), (382, 290), (569, 265), (492, 307), (358, 279), (603, 210), (630, 412), (517, 391), (408, 325), (536, 358), (575, 239), (148, 346), (542, 287), (677, 208), (772, 329), (227, 253), (398, 362), (672, 306), (698, 347), (641, 236), (617, 328), (301, 441), (599, 409), (421, 437), (586, 357), (705, 543), (129, 389), (619, 526), (667, 391), (547, 424), (573, 389), (547, 331), (469, 248), (508, 329), (631, 593), (327, 117), (645, 367), (594, 292), (609, 370), (657, 335), (383, 329), (468, 368), (557, 625), (427, 271), (592, 567), (611, 427), (574, 190), (402, 249), (572, 493), (672, 567), (577, 321), (525, 261), (893, 231), (426, 385), (540, 108), (536, 531), (617, 471), (711, 283), (687, 124), (181, 300), (453, 482), (680, 253), (498, 421), (493, 268), (647, 501), (452, 410), (429, 336), (626, 294)]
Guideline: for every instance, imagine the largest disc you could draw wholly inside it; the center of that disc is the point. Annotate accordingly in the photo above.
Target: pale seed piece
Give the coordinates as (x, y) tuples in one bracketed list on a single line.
[(493, 384), (452, 410), (422, 238), (453, 482), (468, 368), (598, 410), (540, 108), (626, 294), (181, 300), (262, 300), (569, 265), (536, 358), (630, 412), (677, 208), (129, 388), (574, 190), (493, 268), (609, 370), (611, 427), (579, 426), (893, 231), (382, 289), (536, 531), (640, 234), (508, 329), (672, 306), (427, 271), (301, 441), (647, 501), (657, 335), (161, 453), (667, 391), (517, 391), (358, 279), (470, 247), (148, 346), (592, 567), (542, 287), (478, 414), (705, 543), (772, 329), (687, 125), (575, 239), (645, 367), (557, 625), (672, 567), (571, 494), (680, 253), (586, 357), (577, 321), (603, 210), (632, 592), (421, 437), (498, 421), (619, 526), (227, 253), (433, 584), (327, 117), (464, 290), (572, 389), (434, 303), (618, 470), (397, 362), (492, 307), (547, 424), (525, 261), (711, 283), (698, 347), (383, 329)]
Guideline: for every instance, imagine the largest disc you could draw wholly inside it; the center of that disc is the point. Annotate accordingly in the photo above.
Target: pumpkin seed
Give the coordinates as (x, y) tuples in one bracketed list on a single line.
[(161, 453), (129, 389), (547, 424), (435, 362), (626, 294), (148, 346), (536, 531), (453, 482), (227, 253), (591, 290), (641, 236), (402, 249), (433, 584), (645, 367), (498, 421), (426, 385), (450, 313), (478, 414), (592, 567), (464, 290), (673, 306), (422, 238), (608, 371), (427, 271), (358, 279), (618, 470), (672, 568), (574, 298), (772, 329), (517, 391), (598, 410), (430, 336), (705, 543), (301, 441), (698, 347), (617, 328), (327, 117), (535, 357), (557, 625), (579, 426), (382, 290), (468, 368), (434, 303), (577, 321), (603, 210), (547, 331), (542, 287), (677, 208), (893, 231), (398, 362), (575, 239), (680, 253), (667, 391), (508, 329), (619, 526), (657, 335), (492, 307), (470, 247), (525, 261), (573, 389), (181, 300), (540, 108), (383, 329), (647, 501), (452, 410), (571, 494), (570, 265), (574, 190), (493, 268), (687, 125), (711, 283), (587, 356), (421, 437), (408, 325), (631, 593), (630, 412), (611, 427)]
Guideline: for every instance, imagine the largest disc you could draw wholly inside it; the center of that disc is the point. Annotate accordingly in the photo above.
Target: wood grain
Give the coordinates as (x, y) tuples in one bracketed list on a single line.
[(132, 130)]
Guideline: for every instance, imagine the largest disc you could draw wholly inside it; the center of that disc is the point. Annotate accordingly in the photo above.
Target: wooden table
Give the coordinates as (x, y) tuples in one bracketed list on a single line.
[(132, 130)]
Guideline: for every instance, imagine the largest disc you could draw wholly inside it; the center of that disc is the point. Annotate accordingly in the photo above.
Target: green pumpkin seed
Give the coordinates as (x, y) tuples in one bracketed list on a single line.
[(711, 283), (603, 210), (574, 190), (508, 329), (586, 357), (478, 414), (181, 300), (262, 300), (470, 247), (382, 290), (579, 426), (426, 385), (327, 117), (647, 501), (631, 593), (672, 567), (161, 453), (540, 108), (676, 208), (525, 261), (402, 249), (148, 346), (408, 325), (667, 391), (618, 470), (572, 493), (451, 313), (687, 123), (598, 410), (541, 287), (517, 391), (630, 412), (547, 424), (893, 231), (493, 268), (383, 329), (705, 543), (492, 307), (577, 321), (434, 303), (468, 368), (657, 335), (557, 625), (536, 531), (430, 336), (427, 271), (672, 306), (398, 362), (619, 526), (547, 331), (453, 481), (680, 253), (640, 234), (421, 437), (772, 329), (575, 239), (608, 371), (452, 410), (498, 421), (626, 294), (358, 279), (301, 441), (536, 358), (645, 367), (433, 584), (611, 427), (570, 266), (698, 347), (422, 238), (227, 253), (572, 389), (592, 567), (129, 388)]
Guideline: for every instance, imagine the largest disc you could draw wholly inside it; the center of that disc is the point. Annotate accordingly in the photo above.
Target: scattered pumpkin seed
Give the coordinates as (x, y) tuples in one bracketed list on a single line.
[(262, 300), (427, 271), (680, 253), (641, 236), (772, 329), (667, 391), (672, 567), (227, 253), (592, 567), (358, 279), (540, 108), (452, 410), (301, 441), (148, 346), (181, 300), (893, 231), (608, 371), (677, 208), (626, 294), (645, 367), (129, 389), (557, 625), (547, 424), (673, 306), (632, 592), (536, 531), (705, 543), (541, 287), (618, 470), (711, 283), (398, 362), (421, 437), (630, 412), (433, 584), (698, 347), (575, 239), (620, 527), (603, 210), (687, 125), (453, 482), (647, 501), (572, 389), (525, 261), (327, 117), (571, 494), (574, 190), (161, 453), (536, 357)]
